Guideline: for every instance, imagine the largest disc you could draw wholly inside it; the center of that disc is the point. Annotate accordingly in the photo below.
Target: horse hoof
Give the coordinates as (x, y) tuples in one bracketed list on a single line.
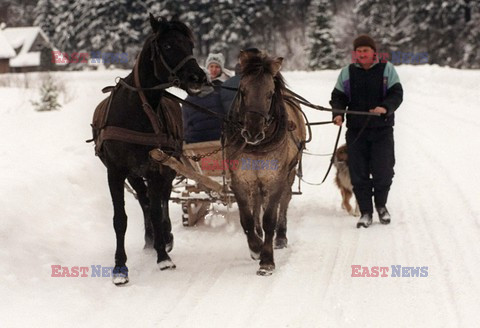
[(255, 256), (120, 276), (118, 280), (166, 265), (280, 243), (266, 270)]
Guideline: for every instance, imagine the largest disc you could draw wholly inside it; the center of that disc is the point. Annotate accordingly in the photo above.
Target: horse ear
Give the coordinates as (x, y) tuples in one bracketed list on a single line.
[(242, 57), (154, 23), (277, 65)]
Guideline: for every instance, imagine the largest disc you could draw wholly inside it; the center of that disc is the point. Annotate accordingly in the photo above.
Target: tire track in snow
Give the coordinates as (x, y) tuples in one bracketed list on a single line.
[(436, 224)]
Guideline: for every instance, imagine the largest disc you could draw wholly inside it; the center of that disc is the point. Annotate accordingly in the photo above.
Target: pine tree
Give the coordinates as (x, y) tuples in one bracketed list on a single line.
[(321, 48), (65, 24), (387, 22), (437, 25), (17, 13), (44, 12), (471, 36), (102, 26), (199, 16), (259, 16), (231, 28), (49, 96)]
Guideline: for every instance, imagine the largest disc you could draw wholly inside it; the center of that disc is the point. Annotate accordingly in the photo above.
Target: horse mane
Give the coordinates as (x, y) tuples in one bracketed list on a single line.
[(175, 25), (255, 66), (263, 64), (168, 26)]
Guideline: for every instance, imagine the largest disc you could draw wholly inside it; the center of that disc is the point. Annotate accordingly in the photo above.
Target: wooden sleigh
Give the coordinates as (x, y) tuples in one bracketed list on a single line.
[(203, 181)]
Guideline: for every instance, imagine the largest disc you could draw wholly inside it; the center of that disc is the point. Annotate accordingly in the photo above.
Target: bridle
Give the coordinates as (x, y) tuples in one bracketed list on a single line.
[(172, 77), (273, 128), (269, 116)]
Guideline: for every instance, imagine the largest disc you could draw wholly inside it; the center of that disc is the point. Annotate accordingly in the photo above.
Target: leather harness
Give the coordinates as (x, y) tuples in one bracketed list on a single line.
[(159, 138)]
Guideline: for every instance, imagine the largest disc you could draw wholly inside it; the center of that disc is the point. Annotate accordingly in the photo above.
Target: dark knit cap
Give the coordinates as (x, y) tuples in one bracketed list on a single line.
[(364, 40)]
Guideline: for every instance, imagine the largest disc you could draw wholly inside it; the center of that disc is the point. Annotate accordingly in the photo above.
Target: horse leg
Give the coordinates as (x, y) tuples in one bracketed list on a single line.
[(281, 240), (248, 224), (140, 188), (257, 203), (166, 223), (116, 180), (156, 211), (267, 264)]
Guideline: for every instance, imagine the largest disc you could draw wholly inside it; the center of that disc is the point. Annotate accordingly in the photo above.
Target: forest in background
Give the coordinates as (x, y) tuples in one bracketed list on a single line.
[(310, 34)]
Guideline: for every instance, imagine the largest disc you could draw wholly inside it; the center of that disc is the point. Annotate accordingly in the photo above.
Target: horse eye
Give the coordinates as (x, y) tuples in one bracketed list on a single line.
[(167, 46)]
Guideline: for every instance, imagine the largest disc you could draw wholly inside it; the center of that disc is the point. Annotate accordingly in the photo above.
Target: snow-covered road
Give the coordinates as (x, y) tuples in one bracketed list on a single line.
[(56, 210)]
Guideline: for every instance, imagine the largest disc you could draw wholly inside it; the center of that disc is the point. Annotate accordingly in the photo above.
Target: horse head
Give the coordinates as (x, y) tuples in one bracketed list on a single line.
[(171, 52), (260, 86)]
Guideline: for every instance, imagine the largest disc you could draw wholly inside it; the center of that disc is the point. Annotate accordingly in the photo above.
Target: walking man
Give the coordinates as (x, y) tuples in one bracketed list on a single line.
[(368, 85)]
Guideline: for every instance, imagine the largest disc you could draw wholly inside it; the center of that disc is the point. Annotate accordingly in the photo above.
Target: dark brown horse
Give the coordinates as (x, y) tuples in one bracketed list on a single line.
[(137, 121), (267, 141)]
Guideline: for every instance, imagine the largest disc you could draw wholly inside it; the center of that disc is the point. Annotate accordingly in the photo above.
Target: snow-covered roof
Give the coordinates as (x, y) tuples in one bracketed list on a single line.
[(23, 37), (28, 59), (6, 50)]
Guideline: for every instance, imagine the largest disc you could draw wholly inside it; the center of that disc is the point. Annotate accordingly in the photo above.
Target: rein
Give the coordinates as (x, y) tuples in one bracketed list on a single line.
[(332, 159), (204, 110), (162, 86), (305, 102), (287, 97)]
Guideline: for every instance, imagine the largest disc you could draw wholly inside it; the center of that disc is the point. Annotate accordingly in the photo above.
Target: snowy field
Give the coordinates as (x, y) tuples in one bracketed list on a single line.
[(56, 210)]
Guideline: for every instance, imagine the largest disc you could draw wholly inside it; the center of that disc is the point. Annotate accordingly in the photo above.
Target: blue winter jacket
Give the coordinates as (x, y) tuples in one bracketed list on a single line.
[(199, 126), (228, 95)]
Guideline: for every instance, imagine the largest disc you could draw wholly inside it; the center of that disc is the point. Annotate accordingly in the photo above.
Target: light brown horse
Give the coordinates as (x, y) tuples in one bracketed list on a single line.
[(266, 134)]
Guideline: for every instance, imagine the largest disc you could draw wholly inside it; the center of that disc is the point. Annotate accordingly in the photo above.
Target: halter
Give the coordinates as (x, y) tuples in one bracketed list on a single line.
[(269, 118), (172, 78)]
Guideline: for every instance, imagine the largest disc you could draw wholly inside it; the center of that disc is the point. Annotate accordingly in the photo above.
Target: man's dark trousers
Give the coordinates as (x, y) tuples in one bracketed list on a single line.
[(371, 150)]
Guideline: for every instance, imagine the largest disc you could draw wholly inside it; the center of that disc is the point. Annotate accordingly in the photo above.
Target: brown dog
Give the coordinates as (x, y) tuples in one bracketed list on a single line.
[(342, 179)]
